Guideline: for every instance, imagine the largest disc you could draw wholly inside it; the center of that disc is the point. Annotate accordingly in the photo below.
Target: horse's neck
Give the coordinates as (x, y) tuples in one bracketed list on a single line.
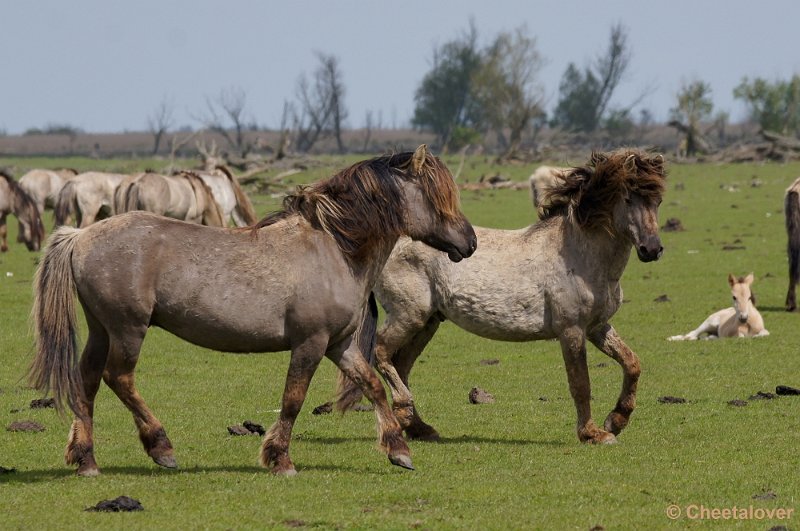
[(598, 250)]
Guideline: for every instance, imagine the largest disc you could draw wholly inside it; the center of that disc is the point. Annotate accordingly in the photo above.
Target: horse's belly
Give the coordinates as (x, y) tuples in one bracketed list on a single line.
[(503, 320)]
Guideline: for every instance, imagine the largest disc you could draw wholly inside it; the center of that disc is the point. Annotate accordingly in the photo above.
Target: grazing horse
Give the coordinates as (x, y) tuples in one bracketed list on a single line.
[(740, 320), (184, 196), (791, 208), (559, 278), (13, 199), (44, 186), (298, 280), (541, 181), (233, 201), (88, 196)]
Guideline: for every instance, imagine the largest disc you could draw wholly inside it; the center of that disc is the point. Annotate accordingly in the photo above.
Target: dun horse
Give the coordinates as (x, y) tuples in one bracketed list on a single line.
[(88, 196), (299, 279), (740, 320), (44, 186), (791, 208), (184, 196), (232, 200), (13, 199), (557, 279)]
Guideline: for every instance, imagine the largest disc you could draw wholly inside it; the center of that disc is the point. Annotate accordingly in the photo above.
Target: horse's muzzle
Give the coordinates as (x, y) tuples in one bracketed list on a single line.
[(650, 250)]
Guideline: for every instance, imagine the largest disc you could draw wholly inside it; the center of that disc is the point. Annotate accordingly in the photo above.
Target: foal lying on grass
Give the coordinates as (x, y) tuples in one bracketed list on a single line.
[(741, 320)]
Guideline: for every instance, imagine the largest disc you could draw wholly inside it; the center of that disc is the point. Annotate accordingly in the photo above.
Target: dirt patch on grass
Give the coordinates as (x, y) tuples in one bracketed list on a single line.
[(120, 504), (737, 403), (785, 390), (671, 400), (322, 409), (479, 396), (25, 425), (763, 395), (42, 403)]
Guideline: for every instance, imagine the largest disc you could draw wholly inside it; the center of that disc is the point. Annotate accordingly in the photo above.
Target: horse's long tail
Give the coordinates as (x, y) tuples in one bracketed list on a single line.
[(55, 366), (791, 207), (67, 202), (131, 197), (243, 204), (347, 392)]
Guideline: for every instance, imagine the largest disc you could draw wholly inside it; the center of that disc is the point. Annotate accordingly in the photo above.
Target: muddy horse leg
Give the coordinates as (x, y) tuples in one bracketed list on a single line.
[(402, 362), (80, 447), (573, 348), (390, 435), (119, 376), (302, 366), (608, 341)]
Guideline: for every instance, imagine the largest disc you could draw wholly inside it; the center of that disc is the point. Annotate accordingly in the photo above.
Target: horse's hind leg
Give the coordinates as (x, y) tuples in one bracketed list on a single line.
[(399, 369), (573, 348), (119, 376), (608, 341), (354, 365), (3, 234), (80, 447), (302, 365)]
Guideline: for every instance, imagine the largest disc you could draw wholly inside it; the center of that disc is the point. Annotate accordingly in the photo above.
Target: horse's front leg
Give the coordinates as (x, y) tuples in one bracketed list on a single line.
[(302, 366), (390, 436), (3, 234), (573, 348), (608, 341)]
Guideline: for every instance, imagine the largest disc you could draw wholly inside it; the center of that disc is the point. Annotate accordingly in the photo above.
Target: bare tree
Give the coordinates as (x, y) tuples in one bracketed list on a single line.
[(321, 104), (226, 116), (159, 122)]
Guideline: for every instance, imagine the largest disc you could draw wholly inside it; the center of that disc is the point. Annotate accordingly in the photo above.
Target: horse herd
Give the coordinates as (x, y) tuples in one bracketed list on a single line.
[(212, 198), (305, 279)]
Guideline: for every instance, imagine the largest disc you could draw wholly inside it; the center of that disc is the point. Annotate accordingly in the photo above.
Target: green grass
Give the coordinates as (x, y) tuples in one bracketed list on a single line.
[(512, 464)]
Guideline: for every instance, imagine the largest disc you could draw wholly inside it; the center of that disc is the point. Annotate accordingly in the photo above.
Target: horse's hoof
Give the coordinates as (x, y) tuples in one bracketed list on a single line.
[(401, 460), (167, 461), (88, 472)]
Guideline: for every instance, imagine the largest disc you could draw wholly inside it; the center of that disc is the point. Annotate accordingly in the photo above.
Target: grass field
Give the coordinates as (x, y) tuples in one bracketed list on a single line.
[(514, 464)]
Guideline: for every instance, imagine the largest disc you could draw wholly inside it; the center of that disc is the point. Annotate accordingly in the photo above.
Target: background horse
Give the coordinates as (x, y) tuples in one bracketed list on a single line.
[(299, 279), (184, 196), (230, 197), (741, 320), (557, 279), (13, 199), (44, 186), (791, 209), (88, 196), (540, 182)]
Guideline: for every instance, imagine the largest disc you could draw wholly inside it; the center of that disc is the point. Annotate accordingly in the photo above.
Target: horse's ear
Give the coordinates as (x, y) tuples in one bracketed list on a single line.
[(418, 160), (749, 279), (731, 279)]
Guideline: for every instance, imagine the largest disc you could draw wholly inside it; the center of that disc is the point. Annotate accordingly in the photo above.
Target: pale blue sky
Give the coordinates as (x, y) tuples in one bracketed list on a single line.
[(104, 65)]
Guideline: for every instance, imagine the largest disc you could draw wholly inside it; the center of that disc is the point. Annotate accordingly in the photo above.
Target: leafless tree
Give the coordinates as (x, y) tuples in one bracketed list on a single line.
[(226, 116), (159, 122), (321, 109)]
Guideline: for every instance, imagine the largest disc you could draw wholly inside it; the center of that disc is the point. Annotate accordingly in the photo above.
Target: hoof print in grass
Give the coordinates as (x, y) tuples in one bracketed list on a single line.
[(121, 504), (42, 403), (737, 403), (323, 409), (252, 427), (662, 298), (25, 425), (239, 430), (762, 395), (671, 400), (4, 470), (494, 361), (766, 495), (479, 396), (785, 390)]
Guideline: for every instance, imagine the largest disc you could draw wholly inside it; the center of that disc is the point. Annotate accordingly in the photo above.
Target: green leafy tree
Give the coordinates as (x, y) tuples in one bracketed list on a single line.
[(584, 96), (507, 89), (694, 106), (775, 106), (443, 101)]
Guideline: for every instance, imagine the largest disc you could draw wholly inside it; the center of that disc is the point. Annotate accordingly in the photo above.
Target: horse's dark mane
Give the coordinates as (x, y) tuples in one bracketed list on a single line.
[(363, 205), (589, 193)]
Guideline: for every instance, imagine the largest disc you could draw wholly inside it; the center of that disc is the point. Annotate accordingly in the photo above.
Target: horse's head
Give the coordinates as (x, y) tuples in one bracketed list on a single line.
[(433, 215), (743, 298)]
